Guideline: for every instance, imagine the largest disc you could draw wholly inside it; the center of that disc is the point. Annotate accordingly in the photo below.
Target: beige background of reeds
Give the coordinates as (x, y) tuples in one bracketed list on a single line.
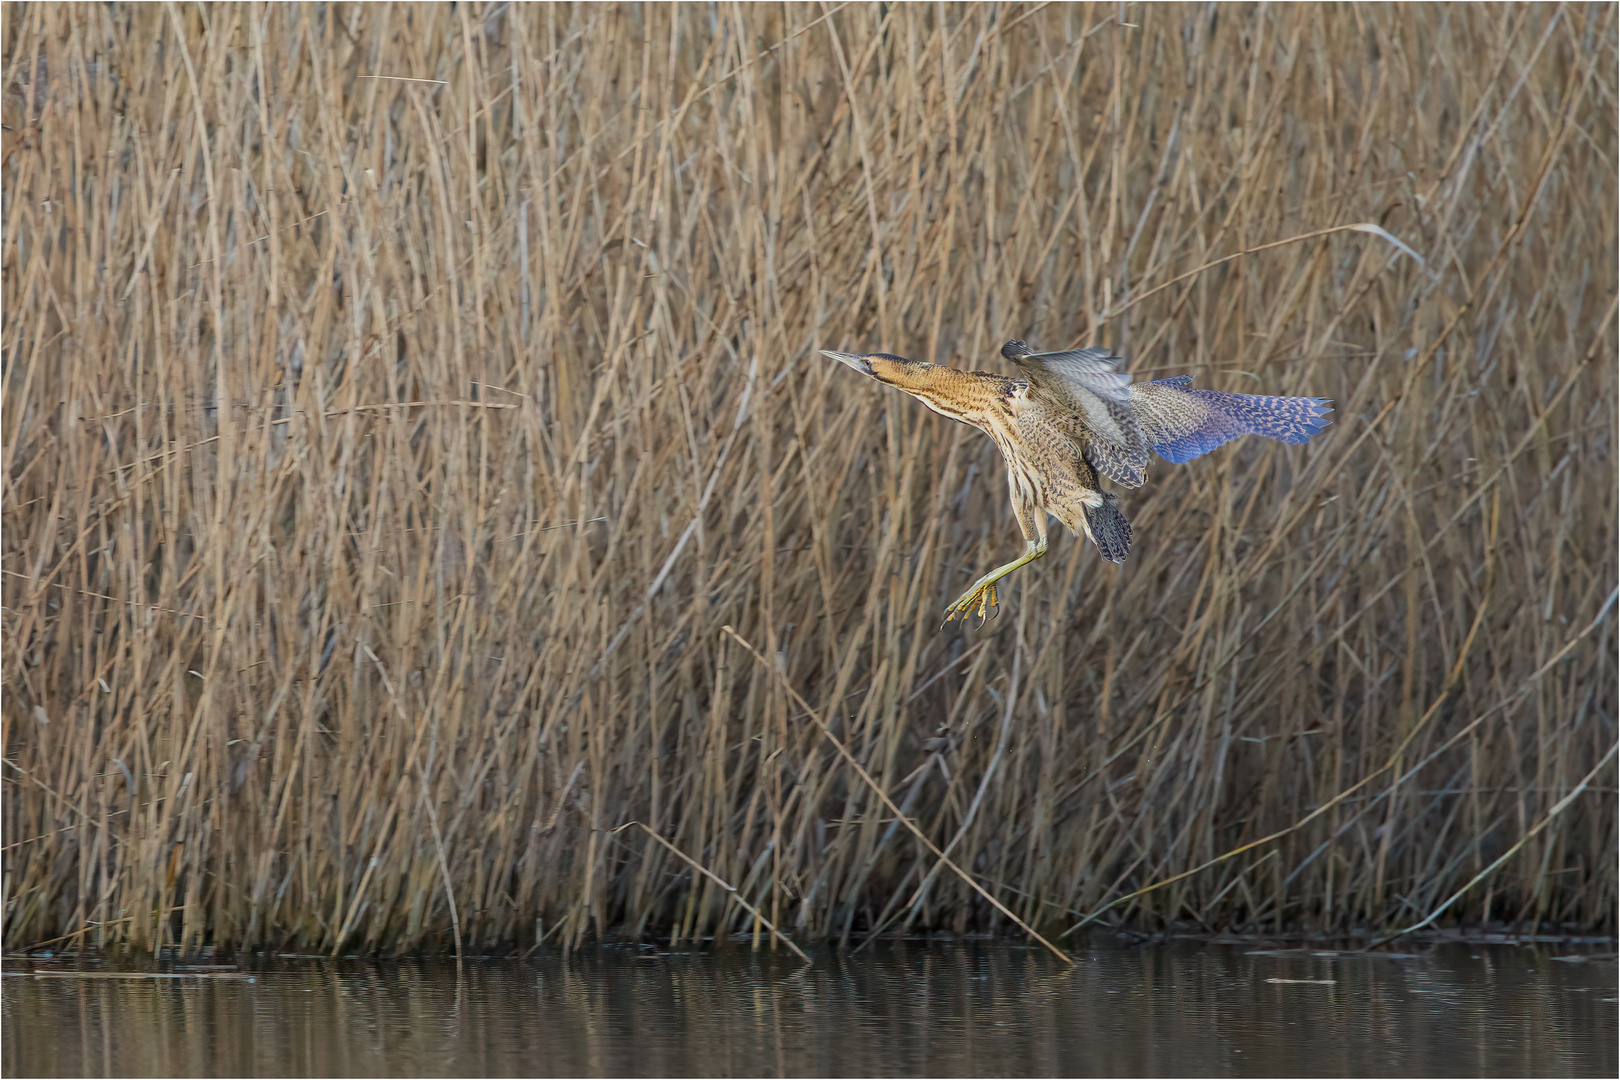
[(398, 401)]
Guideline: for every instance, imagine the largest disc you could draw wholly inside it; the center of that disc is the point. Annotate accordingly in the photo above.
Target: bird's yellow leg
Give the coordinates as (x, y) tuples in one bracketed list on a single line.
[(982, 596)]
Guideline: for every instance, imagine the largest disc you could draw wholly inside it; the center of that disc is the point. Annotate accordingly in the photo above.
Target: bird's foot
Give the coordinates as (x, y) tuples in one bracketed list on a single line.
[(979, 601)]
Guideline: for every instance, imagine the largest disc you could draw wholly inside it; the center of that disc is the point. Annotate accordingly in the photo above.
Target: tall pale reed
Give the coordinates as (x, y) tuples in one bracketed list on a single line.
[(398, 400)]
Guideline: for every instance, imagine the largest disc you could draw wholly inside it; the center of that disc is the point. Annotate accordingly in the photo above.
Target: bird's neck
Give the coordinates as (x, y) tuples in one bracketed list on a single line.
[(973, 397)]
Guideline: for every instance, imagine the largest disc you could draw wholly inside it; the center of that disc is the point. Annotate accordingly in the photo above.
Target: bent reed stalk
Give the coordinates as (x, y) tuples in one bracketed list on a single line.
[(398, 401)]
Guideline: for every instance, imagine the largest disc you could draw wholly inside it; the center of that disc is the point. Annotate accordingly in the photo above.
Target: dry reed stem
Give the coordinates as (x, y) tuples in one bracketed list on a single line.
[(900, 816), (397, 401), (730, 889), (1557, 808)]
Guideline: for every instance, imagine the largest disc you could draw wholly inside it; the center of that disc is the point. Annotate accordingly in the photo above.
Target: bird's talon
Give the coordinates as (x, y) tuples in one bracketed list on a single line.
[(973, 603)]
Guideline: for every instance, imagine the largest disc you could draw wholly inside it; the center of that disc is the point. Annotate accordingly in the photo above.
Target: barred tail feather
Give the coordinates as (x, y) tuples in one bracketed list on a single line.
[(1110, 529), (1105, 525)]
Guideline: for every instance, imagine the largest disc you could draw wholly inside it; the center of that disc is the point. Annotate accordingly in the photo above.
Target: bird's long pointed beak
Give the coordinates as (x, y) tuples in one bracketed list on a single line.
[(857, 362)]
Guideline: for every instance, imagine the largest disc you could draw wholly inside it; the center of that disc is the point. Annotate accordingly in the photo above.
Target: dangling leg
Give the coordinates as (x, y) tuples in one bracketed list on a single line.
[(983, 593)]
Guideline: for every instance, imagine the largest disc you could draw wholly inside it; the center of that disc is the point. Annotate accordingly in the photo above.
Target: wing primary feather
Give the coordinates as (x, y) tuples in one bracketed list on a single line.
[(1181, 422)]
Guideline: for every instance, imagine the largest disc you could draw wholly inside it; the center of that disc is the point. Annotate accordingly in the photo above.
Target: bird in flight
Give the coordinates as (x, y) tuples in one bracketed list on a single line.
[(1074, 418)]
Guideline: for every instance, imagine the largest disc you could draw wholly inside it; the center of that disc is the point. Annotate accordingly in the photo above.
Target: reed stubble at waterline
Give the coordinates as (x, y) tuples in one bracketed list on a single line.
[(406, 398)]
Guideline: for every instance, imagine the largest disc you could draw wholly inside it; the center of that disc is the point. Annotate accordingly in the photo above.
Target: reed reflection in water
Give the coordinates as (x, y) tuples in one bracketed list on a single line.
[(1179, 1009)]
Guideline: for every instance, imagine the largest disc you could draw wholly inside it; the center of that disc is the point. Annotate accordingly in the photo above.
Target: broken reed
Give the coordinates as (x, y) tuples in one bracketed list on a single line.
[(399, 400)]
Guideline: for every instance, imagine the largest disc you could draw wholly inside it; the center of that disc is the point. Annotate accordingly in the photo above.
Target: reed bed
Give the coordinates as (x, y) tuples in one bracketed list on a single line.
[(399, 401)]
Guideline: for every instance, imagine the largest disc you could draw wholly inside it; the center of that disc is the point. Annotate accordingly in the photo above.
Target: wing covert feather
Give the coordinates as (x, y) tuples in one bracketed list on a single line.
[(1091, 370), (1123, 460)]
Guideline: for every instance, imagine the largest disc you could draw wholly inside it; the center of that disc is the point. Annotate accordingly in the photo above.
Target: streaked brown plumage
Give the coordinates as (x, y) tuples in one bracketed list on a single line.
[(1073, 417)]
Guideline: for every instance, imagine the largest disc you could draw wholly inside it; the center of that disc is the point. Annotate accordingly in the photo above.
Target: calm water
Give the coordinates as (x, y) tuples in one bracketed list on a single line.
[(1180, 1009)]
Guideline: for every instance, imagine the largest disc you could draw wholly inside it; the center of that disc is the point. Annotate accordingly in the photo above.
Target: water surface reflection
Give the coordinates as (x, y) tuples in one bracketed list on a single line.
[(902, 1010)]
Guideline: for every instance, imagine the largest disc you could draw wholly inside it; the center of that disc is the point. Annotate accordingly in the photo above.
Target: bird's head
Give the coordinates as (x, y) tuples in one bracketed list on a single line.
[(884, 367), (960, 395)]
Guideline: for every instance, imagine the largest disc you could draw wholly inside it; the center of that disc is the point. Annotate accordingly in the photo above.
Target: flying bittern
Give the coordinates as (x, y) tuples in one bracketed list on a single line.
[(1073, 417)]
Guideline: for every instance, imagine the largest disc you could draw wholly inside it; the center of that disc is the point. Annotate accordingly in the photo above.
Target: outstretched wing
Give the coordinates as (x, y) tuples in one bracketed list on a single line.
[(1116, 422), (1180, 421)]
